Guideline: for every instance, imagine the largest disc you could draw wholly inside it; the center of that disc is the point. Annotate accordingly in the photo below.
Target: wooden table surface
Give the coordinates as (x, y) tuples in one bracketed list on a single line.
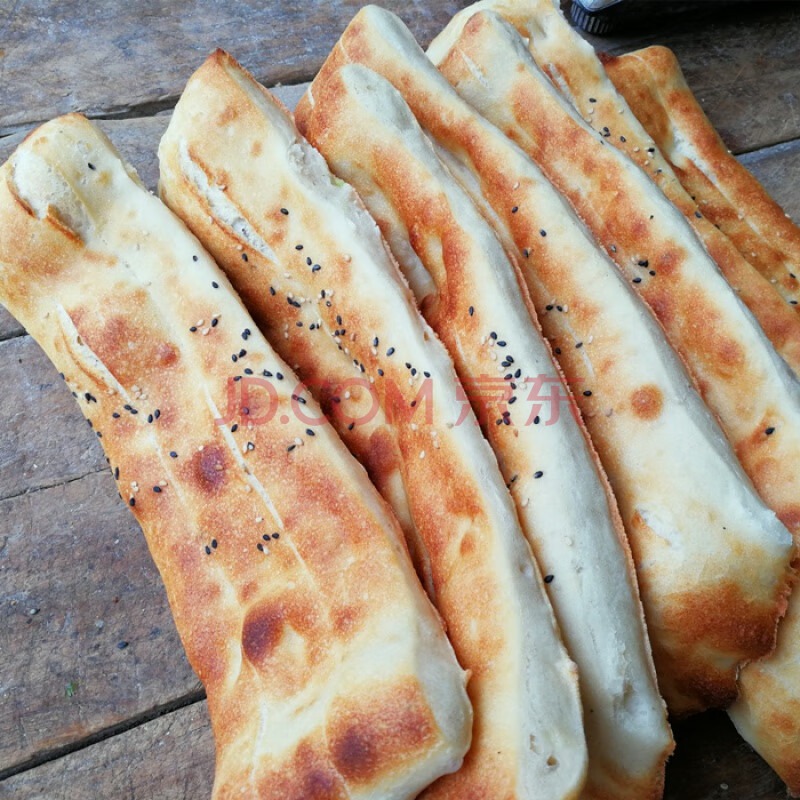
[(96, 696)]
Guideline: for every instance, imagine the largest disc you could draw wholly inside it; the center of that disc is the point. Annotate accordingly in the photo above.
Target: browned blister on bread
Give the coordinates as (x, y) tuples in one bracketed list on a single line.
[(573, 67), (327, 670), (728, 194), (321, 282), (480, 308)]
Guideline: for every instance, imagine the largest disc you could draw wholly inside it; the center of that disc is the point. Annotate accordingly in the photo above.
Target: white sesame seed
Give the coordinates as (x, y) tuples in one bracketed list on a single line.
[(422, 454), (347, 258), (414, 426), (516, 185), (162, 483), (524, 503), (259, 519)]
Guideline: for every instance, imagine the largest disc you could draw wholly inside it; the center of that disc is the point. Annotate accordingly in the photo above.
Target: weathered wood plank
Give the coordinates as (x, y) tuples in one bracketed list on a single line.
[(743, 66), (778, 168), (107, 58), (45, 439), (76, 580), (169, 758)]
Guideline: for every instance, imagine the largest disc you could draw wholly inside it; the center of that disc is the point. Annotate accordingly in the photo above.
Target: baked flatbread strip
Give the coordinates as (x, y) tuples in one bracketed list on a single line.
[(577, 72), (327, 671), (370, 138), (235, 168), (740, 375), (751, 390), (706, 610), (729, 195)]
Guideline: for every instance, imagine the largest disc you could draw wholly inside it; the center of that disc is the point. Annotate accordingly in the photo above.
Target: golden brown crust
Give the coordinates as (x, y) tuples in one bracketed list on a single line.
[(738, 373), (469, 542), (287, 575), (481, 308), (482, 157), (573, 67), (729, 195)]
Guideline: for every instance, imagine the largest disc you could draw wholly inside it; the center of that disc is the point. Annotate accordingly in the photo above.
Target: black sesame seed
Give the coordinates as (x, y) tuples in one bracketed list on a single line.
[(248, 371), (637, 280), (98, 434), (515, 209), (310, 432), (237, 378), (116, 473), (548, 307), (698, 214), (299, 324), (149, 417), (512, 400), (518, 373), (285, 212), (622, 139), (592, 100), (132, 502), (536, 420), (244, 257), (471, 310), (157, 489), (587, 393), (390, 351), (558, 351), (298, 247), (272, 291), (265, 537), (260, 547), (234, 427), (242, 353), (493, 335), (157, 413), (245, 333), (316, 268), (214, 543), (652, 272), (173, 454), (90, 165), (266, 373), (578, 345), (276, 536), (115, 415), (769, 431), (251, 446), (543, 232), (121, 645), (234, 358), (644, 263), (351, 426), (526, 252), (193, 329), (538, 474), (279, 376), (195, 258), (290, 448), (375, 342), (214, 285), (549, 578), (380, 372), (208, 550)]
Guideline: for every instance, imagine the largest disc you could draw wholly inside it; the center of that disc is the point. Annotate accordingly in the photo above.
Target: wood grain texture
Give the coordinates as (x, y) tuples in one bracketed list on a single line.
[(743, 65), (168, 758), (76, 580), (109, 59), (45, 438)]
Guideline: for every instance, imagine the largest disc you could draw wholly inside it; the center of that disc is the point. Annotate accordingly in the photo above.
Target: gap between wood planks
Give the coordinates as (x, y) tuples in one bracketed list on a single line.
[(196, 696), (149, 109)]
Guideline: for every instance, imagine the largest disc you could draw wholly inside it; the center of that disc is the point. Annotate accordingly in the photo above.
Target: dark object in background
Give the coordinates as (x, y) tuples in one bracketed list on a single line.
[(601, 17)]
